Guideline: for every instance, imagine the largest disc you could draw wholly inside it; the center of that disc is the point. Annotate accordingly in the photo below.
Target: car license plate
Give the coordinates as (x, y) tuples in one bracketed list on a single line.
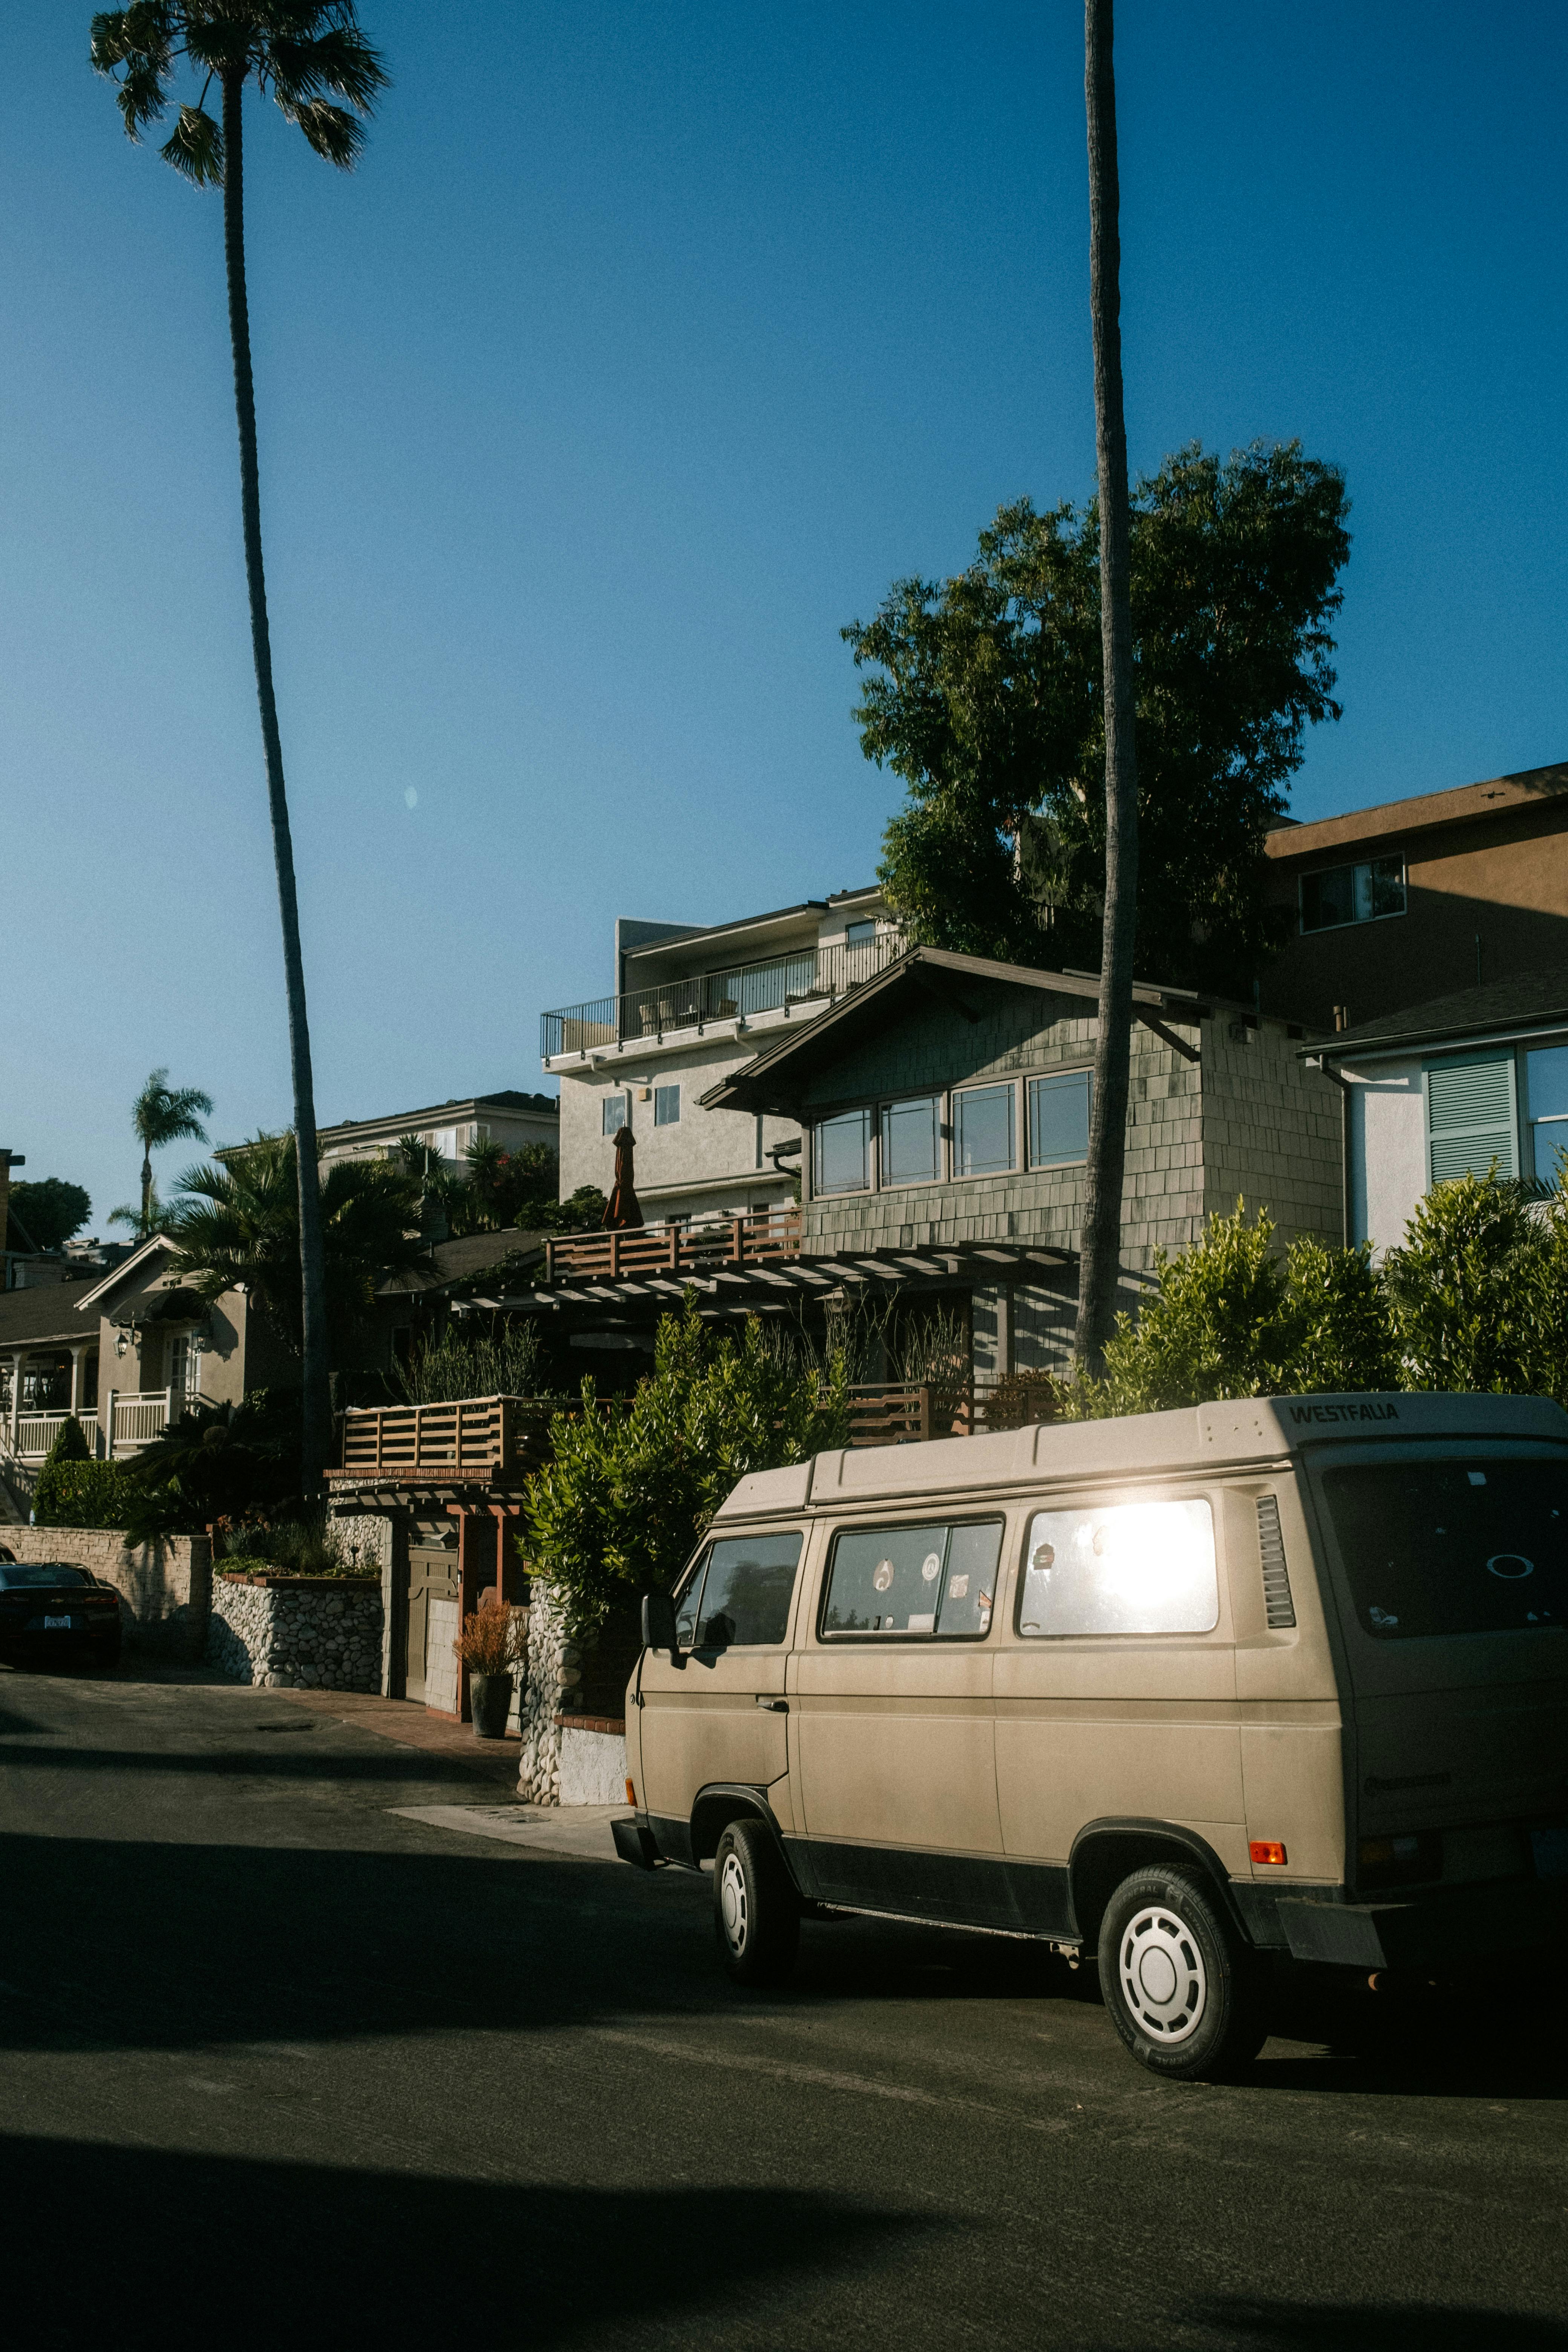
[(57, 1624), (1550, 1848)]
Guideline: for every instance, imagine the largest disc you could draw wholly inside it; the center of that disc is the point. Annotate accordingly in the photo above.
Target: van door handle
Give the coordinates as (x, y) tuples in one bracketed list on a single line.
[(774, 1706)]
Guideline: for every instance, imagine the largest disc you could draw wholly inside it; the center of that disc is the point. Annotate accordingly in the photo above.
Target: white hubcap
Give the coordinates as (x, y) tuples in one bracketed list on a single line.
[(732, 1906), (1162, 1973)]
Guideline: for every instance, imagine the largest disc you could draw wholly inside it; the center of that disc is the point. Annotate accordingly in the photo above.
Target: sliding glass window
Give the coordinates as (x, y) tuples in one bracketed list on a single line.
[(1058, 1120), (911, 1141), (841, 1159), (982, 1124)]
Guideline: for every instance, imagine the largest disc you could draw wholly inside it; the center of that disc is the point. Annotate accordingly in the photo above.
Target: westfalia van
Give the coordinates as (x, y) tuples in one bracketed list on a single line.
[(1177, 1691)]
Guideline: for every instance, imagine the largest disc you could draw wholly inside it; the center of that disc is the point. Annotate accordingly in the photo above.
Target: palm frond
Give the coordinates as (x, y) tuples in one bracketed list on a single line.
[(330, 131), (340, 61), (194, 148)]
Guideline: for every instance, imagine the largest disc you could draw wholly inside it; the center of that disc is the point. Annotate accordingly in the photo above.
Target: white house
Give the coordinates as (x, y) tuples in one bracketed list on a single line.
[(1462, 1083)]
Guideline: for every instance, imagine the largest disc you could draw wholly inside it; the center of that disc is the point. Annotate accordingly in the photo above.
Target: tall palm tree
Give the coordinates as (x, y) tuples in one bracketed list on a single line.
[(305, 53), (163, 1113), (1100, 1255)]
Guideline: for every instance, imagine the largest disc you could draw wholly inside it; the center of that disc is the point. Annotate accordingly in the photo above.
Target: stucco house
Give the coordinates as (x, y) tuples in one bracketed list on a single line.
[(1461, 1083)]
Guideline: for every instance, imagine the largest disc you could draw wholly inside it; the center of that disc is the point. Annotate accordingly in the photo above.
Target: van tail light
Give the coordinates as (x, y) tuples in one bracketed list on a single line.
[(1267, 1850), (632, 1795)]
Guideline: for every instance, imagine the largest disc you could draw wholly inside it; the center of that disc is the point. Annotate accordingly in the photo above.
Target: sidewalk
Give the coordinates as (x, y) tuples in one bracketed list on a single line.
[(405, 1721)]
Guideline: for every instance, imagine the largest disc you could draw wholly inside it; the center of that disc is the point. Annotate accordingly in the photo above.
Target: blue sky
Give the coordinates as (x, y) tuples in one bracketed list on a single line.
[(646, 348)]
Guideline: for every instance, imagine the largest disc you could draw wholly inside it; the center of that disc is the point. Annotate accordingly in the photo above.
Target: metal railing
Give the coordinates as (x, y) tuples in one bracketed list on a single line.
[(644, 1015), (750, 1240)]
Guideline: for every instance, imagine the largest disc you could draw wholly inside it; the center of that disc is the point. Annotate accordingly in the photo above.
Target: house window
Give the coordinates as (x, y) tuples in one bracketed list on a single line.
[(613, 1113), (1059, 1119), (843, 1153), (1470, 1116), (911, 1141), (860, 935), (667, 1105), (1546, 1109), (983, 1132), (1353, 894)]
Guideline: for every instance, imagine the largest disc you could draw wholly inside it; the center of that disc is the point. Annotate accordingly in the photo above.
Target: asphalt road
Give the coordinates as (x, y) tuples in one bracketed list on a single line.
[(282, 2066)]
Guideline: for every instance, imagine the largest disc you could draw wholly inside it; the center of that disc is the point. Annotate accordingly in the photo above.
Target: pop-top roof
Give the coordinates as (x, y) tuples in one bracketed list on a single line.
[(1202, 1437)]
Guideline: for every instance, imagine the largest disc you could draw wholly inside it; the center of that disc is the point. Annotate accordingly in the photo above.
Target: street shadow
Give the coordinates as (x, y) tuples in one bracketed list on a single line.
[(223, 1753), (1484, 2035), (201, 2250), (1243, 2325)]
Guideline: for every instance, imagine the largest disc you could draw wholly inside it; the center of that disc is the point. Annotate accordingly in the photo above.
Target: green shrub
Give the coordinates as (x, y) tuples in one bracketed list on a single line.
[(81, 1494), (70, 1444), (1233, 1317), (1477, 1288), (626, 1494)]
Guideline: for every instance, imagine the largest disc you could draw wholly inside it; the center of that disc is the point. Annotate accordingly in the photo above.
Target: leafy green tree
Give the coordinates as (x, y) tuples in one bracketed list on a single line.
[(70, 1444), (48, 1210), (231, 1463), (162, 1114), (306, 54), (81, 1494), (1233, 1317), (239, 1222), (625, 1498), (1100, 1256), (987, 702)]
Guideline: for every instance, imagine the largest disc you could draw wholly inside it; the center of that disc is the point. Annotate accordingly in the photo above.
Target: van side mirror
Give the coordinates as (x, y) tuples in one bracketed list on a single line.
[(658, 1623)]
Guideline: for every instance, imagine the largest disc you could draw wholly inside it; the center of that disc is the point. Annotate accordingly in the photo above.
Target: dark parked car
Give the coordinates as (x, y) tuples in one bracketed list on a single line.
[(51, 1612)]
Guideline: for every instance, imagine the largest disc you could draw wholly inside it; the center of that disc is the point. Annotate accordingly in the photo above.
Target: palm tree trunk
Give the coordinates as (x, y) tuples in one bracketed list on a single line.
[(146, 1194), (1102, 1242), (316, 1415)]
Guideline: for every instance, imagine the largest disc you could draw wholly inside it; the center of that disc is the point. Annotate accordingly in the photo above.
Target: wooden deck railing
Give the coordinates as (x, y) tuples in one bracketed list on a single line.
[(476, 1438), (910, 1413), (669, 1249)]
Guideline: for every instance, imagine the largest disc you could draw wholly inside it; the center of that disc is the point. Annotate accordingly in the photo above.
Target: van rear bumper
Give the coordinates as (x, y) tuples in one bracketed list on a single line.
[(1442, 1930)]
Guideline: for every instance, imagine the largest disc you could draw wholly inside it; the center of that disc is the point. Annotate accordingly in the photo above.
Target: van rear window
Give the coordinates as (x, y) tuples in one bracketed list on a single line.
[(936, 1580), (1453, 1547)]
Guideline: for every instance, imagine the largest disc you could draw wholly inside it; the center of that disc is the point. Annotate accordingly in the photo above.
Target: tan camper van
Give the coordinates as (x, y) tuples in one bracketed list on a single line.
[(1180, 1691)]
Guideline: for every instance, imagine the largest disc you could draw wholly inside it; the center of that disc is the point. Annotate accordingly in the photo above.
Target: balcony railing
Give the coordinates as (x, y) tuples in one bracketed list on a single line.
[(910, 1413), (36, 1432), (814, 976), (752, 1240), (480, 1440)]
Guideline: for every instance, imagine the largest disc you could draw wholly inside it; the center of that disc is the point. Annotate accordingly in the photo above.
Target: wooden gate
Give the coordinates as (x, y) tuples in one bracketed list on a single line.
[(432, 1574)]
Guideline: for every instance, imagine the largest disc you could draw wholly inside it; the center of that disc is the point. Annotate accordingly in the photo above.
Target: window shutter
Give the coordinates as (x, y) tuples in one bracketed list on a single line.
[(1470, 1118), (1279, 1606)]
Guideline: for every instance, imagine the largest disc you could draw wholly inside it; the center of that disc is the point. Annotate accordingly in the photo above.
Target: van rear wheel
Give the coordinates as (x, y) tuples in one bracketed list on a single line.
[(756, 1912), (1185, 1993)]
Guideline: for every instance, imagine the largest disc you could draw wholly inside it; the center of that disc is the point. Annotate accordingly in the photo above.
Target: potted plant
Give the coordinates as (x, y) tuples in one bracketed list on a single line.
[(491, 1645)]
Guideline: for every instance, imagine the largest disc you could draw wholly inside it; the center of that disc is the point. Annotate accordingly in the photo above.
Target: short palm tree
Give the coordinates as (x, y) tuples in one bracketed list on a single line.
[(239, 1222), (162, 1114), (305, 54)]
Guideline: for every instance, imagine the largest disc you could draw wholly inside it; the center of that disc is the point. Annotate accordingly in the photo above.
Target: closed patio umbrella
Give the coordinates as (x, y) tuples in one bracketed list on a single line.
[(622, 1210)]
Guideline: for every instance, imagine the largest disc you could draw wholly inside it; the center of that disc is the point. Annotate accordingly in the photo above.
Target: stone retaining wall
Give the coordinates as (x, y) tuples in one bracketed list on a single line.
[(297, 1632), (165, 1588)]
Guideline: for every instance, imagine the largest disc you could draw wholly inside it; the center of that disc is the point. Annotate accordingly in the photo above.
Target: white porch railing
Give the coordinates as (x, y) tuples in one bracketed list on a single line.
[(139, 1418), (36, 1432)]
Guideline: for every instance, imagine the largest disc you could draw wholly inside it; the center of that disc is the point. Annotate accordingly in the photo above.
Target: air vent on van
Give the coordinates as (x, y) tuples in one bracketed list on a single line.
[(1276, 1602)]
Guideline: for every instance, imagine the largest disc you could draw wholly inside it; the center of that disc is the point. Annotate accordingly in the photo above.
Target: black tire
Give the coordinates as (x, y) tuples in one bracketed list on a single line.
[(756, 1912), (1185, 1993)]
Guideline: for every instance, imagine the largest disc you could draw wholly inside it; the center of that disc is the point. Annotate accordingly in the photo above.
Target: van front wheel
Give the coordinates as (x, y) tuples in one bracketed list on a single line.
[(756, 1913), (1185, 1993)]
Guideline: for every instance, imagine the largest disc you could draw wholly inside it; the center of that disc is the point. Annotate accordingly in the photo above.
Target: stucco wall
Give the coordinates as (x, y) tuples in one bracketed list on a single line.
[(165, 1588), (1388, 1148), (704, 1145)]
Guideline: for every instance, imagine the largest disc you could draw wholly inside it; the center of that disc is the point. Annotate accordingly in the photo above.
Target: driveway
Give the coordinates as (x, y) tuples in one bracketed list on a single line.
[(295, 2050)]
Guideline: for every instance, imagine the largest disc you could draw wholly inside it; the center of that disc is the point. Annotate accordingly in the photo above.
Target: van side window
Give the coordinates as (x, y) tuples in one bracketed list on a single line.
[(739, 1596), (937, 1579), (1120, 1567)]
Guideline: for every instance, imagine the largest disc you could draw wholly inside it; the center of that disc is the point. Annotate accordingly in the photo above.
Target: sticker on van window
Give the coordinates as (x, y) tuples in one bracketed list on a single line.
[(930, 1567), (884, 1575), (958, 1588)]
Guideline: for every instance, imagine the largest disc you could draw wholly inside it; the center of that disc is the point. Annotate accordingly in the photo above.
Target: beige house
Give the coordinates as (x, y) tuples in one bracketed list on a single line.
[(691, 1007)]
